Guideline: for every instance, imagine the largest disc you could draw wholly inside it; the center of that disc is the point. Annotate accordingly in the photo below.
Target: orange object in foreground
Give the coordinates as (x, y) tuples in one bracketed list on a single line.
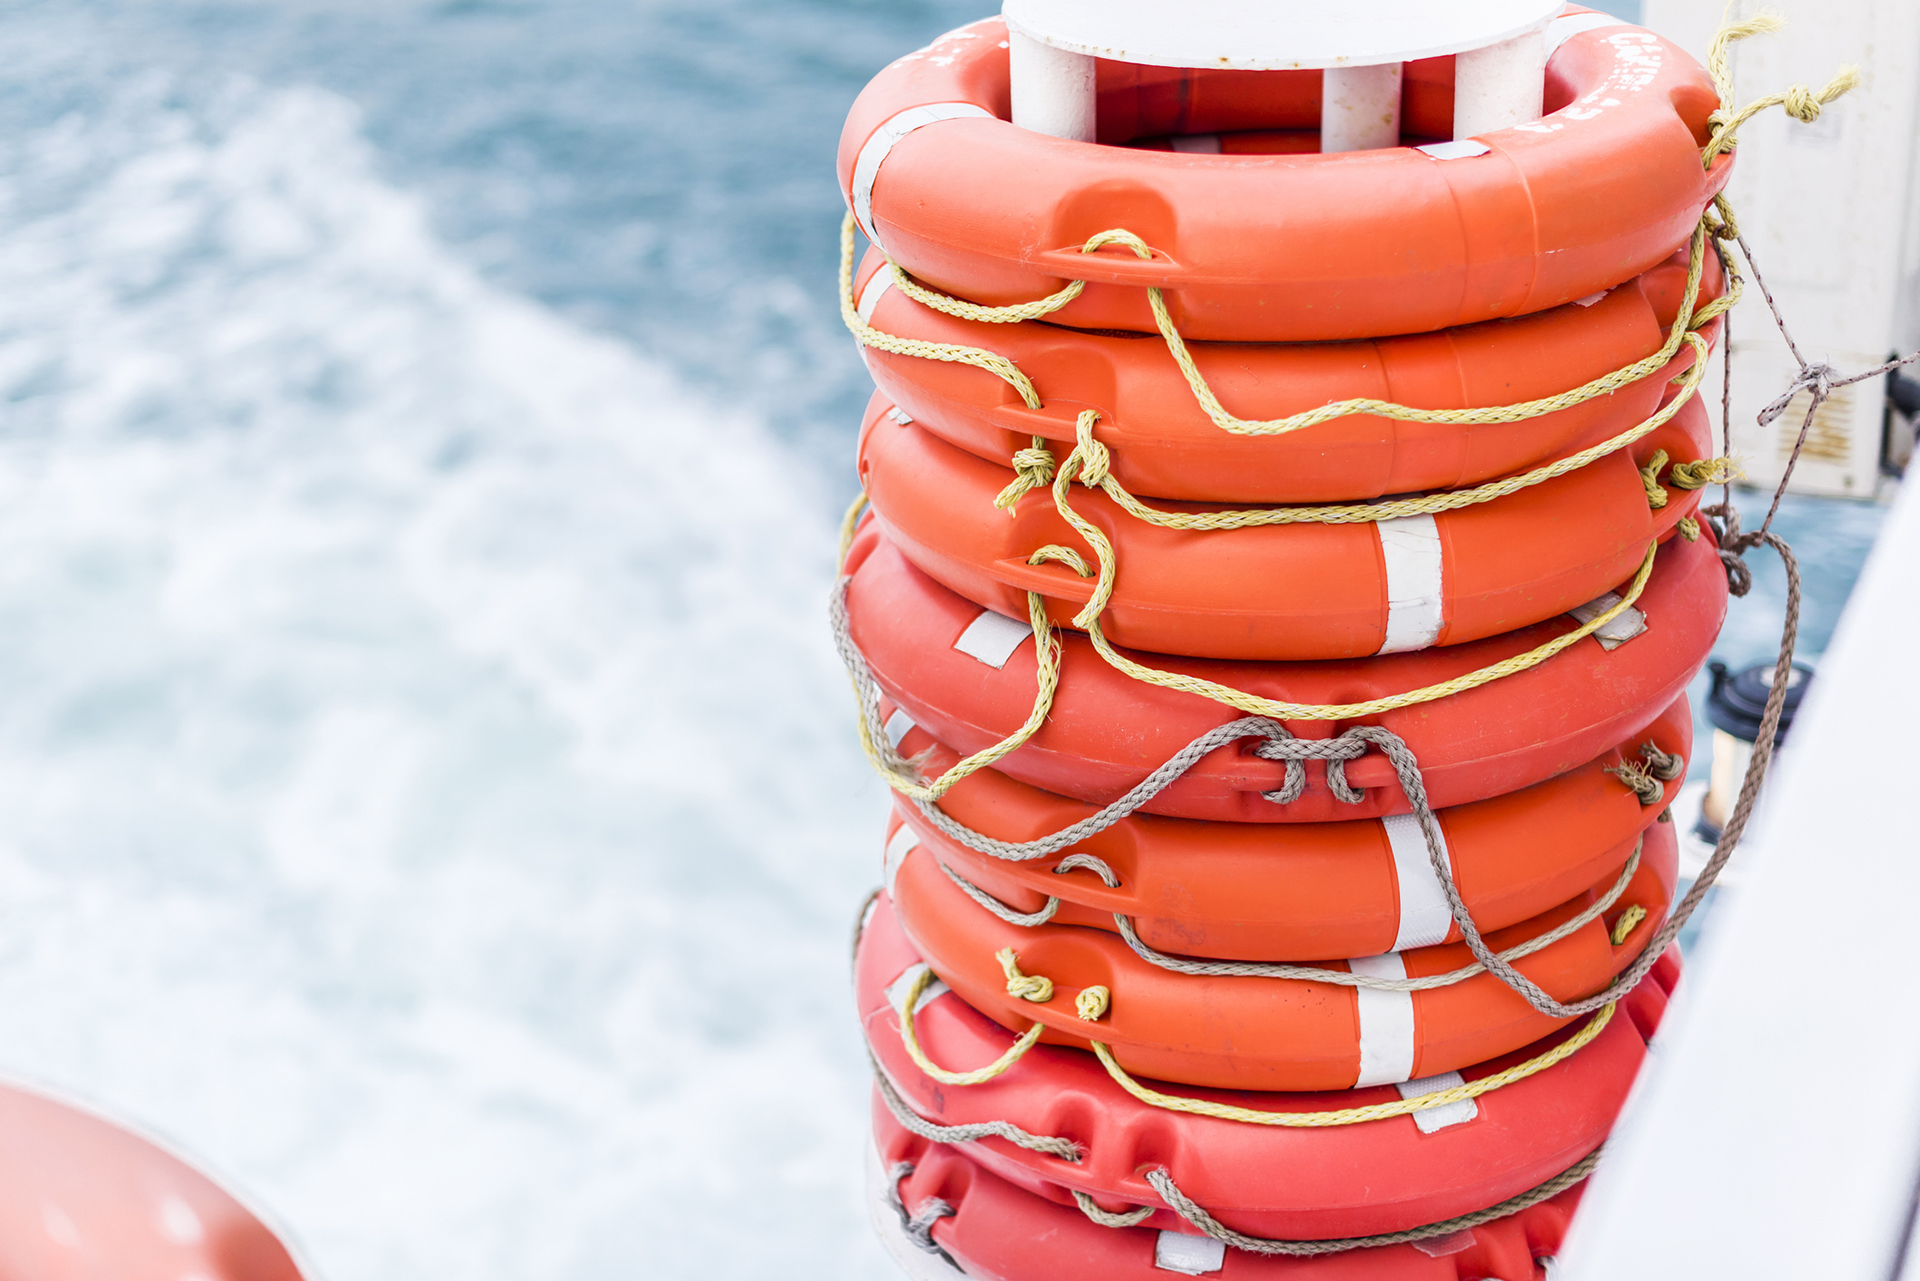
[(1297, 891), (1281, 248), (83, 1200), (968, 675), (1385, 1175), (1255, 1032), (1165, 446), (1282, 592)]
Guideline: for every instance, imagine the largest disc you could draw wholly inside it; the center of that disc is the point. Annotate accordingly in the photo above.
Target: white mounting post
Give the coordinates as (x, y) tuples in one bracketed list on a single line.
[(1052, 88), (1499, 86), (1360, 108), (1501, 47)]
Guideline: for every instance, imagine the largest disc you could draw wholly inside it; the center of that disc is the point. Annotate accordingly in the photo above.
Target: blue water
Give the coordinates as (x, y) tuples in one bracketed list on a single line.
[(426, 792)]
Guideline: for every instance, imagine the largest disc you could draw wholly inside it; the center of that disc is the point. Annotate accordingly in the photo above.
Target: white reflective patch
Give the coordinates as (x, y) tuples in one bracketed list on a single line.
[(1198, 144), (897, 990), (1416, 608), (1561, 30), (1425, 916), (1626, 625), (899, 725), (883, 141), (1464, 149), (903, 842), (1447, 1113), (900, 416), (877, 286), (1187, 1255), (1590, 299), (992, 638), (1386, 1023)]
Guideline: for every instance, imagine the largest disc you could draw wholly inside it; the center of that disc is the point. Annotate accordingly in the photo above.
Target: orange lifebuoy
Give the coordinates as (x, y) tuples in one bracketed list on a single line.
[(1289, 591), (1281, 247), (1243, 891), (1246, 1032), (1376, 1176), (968, 676), (1165, 446), (992, 1227)]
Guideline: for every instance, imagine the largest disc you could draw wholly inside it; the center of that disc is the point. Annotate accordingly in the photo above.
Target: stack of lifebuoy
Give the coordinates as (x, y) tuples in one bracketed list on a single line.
[(1274, 616)]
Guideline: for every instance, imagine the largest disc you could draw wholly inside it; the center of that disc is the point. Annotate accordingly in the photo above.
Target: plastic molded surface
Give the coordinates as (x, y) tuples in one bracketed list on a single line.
[(1294, 34)]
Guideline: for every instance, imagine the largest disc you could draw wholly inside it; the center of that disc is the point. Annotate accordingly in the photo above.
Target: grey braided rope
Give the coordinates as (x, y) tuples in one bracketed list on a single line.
[(918, 1227), (1187, 1209), (1336, 751), (1107, 1218), (1306, 973), (1065, 1149)]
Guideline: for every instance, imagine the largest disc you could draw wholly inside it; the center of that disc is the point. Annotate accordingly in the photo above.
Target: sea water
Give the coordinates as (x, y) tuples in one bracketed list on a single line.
[(427, 794)]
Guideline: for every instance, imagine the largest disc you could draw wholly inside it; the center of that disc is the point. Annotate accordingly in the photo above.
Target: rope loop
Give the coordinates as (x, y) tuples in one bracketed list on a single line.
[(1650, 479), (1092, 1003)]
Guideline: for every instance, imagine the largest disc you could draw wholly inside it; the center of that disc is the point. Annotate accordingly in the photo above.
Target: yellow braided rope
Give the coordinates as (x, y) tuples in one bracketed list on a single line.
[(1355, 1116), (1628, 919), (1691, 317), (1254, 705), (1047, 647), (848, 524), (867, 336), (1032, 471), (1015, 1052), (1799, 101)]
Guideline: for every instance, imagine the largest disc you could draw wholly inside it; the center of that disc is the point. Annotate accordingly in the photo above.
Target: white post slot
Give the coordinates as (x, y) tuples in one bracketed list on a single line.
[(1052, 88), (1360, 108), (1499, 86)]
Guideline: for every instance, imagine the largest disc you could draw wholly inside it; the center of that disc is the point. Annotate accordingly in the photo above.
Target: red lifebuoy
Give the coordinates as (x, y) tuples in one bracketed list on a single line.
[(1273, 248), (1247, 892), (1241, 1032), (1107, 731), (1282, 592), (1165, 446), (1353, 1180), (1002, 1231)]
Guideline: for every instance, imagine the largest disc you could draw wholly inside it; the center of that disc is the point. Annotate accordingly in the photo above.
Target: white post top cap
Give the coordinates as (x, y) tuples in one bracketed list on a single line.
[(1274, 35)]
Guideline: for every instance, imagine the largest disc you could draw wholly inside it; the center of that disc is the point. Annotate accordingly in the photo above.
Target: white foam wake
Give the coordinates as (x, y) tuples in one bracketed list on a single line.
[(424, 785)]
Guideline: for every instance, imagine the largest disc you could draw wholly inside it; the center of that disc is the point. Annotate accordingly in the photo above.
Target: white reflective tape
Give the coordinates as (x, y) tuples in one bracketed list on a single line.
[(900, 416), (1623, 627), (867, 167), (1198, 144), (1188, 1255), (1447, 1113), (1590, 299), (1386, 1023), (877, 286), (903, 842), (1425, 916), (1561, 30), (1410, 546), (992, 638), (899, 725), (1464, 149), (897, 990)]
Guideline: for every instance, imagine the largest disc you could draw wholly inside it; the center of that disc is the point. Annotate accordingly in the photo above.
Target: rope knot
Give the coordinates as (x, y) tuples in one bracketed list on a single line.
[(1092, 1003), (1817, 379), (1708, 471), (1037, 988), (1644, 778), (1033, 469), (1801, 104)]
